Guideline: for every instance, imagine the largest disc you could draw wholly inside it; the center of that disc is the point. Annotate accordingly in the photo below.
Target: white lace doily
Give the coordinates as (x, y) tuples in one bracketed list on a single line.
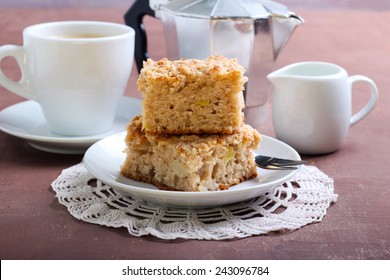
[(301, 201)]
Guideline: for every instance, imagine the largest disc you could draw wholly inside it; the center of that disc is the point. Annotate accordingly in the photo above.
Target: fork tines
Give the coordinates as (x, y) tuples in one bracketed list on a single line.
[(277, 163)]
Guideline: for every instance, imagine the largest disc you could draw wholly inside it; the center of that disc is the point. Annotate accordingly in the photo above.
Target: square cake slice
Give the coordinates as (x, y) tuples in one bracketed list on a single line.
[(206, 162), (191, 96)]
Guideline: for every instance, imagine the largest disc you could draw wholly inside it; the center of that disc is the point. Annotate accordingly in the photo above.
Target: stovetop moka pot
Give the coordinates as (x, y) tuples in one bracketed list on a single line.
[(253, 31)]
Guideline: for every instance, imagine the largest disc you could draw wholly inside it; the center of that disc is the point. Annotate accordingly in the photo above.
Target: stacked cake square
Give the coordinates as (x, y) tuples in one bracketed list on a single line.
[(191, 135)]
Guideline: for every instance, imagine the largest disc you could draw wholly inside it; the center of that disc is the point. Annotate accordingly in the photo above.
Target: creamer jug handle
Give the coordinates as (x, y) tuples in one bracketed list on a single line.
[(134, 18), (371, 102)]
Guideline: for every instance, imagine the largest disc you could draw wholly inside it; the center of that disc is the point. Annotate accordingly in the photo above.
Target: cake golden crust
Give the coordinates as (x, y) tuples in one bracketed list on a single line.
[(191, 96), (190, 162)]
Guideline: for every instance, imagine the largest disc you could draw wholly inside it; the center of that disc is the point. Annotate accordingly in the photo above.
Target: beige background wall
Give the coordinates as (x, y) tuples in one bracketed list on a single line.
[(320, 4)]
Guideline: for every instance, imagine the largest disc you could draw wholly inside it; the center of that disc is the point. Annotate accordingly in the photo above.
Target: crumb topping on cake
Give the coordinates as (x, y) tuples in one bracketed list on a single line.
[(180, 73)]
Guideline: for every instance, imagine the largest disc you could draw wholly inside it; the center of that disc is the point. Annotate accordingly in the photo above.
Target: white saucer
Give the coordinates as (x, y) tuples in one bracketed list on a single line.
[(104, 158), (25, 120)]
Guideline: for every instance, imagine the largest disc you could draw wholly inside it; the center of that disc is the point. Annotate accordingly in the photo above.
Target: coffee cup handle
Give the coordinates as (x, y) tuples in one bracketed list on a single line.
[(371, 102), (20, 87)]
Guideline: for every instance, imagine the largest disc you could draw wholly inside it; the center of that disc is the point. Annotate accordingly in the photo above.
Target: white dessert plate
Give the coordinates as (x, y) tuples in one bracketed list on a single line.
[(104, 158), (26, 120)]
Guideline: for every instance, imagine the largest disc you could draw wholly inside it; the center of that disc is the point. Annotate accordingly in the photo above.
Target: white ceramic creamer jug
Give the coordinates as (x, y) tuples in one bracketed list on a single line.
[(312, 105)]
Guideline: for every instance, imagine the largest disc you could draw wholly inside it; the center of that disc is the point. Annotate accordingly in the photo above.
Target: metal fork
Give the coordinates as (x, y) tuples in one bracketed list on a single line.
[(277, 163)]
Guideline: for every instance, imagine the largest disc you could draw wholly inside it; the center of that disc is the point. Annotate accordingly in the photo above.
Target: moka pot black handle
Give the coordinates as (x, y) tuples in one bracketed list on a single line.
[(134, 18)]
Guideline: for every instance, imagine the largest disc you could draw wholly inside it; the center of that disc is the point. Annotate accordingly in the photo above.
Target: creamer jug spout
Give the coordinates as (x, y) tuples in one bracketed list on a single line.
[(280, 76)]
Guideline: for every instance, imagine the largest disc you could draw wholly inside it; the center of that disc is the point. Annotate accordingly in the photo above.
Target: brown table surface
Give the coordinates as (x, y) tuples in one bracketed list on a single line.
[(33, 225)]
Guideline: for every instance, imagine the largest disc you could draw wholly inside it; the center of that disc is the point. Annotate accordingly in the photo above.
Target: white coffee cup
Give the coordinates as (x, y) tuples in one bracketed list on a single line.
[(76, 70), (312, 105)]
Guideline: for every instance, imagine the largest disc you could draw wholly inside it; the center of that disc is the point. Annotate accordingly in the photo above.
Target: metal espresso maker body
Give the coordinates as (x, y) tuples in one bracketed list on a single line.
[(253, 31)]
